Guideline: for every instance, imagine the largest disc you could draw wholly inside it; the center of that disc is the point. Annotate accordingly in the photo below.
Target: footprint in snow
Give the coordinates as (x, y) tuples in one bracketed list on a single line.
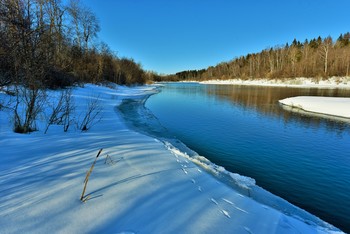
[(248, 230), (228, 201), (226, 213), (214, 201), (222, 211), (125, 233), (234, 205), (184, 170), (193, 181), (241, 210), (199, 170), (199, 188)]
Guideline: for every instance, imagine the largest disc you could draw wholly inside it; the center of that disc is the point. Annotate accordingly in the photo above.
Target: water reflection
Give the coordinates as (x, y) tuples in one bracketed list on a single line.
[(265, 101)]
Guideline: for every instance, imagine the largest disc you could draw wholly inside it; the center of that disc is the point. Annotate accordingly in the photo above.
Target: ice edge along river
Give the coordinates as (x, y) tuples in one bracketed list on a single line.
[(331, 106)]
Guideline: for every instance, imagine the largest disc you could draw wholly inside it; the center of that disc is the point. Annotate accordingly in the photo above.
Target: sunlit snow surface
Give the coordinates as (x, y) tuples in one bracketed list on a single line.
[(151, 186), (301, 82), (332, 106)]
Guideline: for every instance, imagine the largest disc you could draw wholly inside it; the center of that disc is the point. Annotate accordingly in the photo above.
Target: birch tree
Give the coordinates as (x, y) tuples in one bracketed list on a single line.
[(324, 52)]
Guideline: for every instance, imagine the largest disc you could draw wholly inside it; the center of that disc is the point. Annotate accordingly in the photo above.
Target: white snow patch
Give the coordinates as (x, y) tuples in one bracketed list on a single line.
[(301, 82), (334, 106)]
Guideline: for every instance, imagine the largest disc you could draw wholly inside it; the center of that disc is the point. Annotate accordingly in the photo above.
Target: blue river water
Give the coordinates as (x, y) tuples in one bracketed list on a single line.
[(299, 157)]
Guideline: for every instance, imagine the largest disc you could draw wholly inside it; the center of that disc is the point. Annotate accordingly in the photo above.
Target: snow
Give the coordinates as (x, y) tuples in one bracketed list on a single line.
[(145, 186), (333, 106), (301, 82)]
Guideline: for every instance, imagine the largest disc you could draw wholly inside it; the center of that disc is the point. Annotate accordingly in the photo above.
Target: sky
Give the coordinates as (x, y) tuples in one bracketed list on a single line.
[(168, 36)]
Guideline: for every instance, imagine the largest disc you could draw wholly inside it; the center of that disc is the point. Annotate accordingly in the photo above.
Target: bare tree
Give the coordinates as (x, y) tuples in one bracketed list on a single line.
[(69, 108), (85, 23), (28, 105), (325, 47), (92, 114), (90, 26), (55, 115), (75, 13), (61, 111), (347, 62)]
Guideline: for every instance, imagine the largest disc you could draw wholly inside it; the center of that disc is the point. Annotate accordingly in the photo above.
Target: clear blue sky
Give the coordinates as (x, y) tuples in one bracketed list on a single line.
[(168, 36)]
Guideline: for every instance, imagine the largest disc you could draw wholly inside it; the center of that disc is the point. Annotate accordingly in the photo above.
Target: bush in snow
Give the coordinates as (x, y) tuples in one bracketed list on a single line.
[(92, 114), (28, 104), (61, 112)]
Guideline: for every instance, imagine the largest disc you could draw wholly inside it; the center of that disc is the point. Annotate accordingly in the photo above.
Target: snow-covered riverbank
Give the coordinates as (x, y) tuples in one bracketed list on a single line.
[(333, 106), (334, 82), (145, 186)]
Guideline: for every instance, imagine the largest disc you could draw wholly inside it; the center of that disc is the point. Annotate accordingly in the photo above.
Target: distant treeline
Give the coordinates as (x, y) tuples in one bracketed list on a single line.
[(317, 58), (52, 43)]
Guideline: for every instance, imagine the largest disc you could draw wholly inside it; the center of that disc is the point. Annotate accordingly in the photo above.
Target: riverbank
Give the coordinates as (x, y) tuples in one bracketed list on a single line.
[(333, 82), (139, 184)]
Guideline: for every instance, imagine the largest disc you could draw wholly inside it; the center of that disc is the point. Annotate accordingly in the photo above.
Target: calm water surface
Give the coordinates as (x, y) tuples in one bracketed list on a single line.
[(302, 158)]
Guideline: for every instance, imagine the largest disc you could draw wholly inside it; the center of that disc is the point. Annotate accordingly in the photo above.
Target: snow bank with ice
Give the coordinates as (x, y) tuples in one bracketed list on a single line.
[(333, 82), (334, 106), (146, 186)]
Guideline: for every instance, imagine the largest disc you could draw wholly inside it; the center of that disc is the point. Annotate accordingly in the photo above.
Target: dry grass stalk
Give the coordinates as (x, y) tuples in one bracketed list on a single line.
[(82, 197)]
